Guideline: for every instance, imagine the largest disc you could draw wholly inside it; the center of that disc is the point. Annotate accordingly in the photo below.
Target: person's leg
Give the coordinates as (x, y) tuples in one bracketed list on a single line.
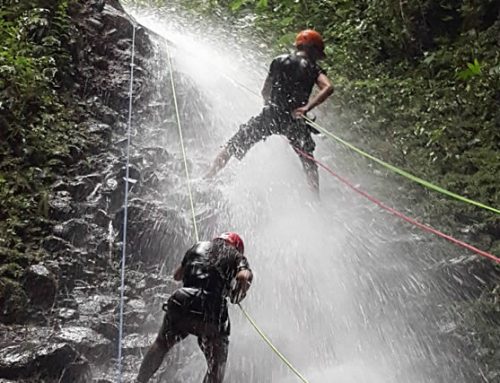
[(303, 144), (311, 170), (215, 350), (165, 340), (255, 130)]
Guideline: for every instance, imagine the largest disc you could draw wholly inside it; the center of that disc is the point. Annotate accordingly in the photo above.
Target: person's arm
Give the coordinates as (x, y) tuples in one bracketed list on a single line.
[(268, 83), (179, 273), (325, 91), (266, 89), (241, 284), (242, 280)]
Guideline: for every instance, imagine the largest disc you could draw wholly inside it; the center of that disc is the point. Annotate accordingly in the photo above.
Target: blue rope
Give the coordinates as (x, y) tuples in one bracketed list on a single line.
[(125, 211)]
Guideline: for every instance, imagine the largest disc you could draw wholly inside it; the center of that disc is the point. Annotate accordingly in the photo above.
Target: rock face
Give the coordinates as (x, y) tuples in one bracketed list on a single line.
[(40, 285), (41, 353), (68, 300)]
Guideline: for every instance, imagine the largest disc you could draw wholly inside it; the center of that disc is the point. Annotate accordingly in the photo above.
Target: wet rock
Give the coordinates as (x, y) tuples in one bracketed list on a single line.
[(134, 172), (29, 359), (84, 185), (153, 232), (60, 205), (54, 244), (100, 129), (76, 372), (71, 267), (74, 230), (102, 218), (67, 314), (135, 312), (140, 285), (97, 24), (85, 340), (104, 113), (135, 305), (107, 328), (95, 304), (40, 285), (69, 302), (100, 133), (135, 342)]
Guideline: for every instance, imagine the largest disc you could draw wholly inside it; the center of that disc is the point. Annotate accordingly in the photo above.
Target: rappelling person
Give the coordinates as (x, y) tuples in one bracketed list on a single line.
[(211, 272), (286, 94)]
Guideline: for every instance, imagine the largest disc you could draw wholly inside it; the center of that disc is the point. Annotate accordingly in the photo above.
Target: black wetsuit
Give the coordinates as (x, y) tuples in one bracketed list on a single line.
[(199, 308), (292, 77)]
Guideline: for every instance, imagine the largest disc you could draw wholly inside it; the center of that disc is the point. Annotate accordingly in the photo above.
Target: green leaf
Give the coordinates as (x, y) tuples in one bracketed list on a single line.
[(262, 4), (236, 4)]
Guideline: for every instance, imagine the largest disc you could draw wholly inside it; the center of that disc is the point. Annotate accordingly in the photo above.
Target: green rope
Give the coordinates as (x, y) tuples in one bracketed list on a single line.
[(191, 199), (393, 168), (401, 172), (188, 179), (271, 345)]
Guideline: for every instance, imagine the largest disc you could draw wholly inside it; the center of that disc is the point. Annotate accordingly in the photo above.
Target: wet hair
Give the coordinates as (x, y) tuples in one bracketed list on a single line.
[(221, 247), (222, 251)]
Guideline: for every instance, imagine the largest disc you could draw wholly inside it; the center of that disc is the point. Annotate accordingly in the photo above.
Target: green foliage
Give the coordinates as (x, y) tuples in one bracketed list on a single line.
[(424, 75), (35, 123), (473, 69), (418, 84)]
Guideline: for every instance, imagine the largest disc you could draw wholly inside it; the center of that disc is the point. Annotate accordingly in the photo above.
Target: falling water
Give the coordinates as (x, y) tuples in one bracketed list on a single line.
[(347, 292)]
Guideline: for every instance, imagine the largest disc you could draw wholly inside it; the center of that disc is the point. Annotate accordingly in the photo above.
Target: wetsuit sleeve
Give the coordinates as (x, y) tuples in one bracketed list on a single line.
[(188, 256), (274, 69), (317, 71), (242, 264)]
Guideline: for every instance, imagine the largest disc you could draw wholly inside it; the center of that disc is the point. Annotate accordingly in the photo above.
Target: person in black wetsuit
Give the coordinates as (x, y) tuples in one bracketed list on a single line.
[(286, 93), (211, 272)]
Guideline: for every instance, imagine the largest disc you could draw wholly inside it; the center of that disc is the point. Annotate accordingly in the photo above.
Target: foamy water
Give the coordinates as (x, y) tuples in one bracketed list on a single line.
[(342, 288)]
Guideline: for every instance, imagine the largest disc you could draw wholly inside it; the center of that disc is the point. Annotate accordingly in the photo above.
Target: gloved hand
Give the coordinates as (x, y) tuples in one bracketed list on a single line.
[(237, 293), (240, 285)]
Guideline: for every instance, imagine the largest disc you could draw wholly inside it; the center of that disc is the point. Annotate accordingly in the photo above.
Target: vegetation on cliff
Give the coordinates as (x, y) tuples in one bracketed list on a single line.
[(35, 129), (35, 124)]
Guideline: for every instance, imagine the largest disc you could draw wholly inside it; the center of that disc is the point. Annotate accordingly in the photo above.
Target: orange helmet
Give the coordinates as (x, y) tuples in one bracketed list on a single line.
[(310, 37)]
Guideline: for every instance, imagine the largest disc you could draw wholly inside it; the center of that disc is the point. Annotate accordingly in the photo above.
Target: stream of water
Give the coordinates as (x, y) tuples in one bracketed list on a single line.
[(346, 291)]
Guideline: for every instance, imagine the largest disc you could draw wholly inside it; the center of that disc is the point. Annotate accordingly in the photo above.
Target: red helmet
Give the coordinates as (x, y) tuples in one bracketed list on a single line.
[(234, 240), (310, 37)]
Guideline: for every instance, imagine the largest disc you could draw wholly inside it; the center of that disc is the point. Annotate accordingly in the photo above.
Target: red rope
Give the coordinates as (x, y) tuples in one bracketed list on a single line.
[(399, 214)]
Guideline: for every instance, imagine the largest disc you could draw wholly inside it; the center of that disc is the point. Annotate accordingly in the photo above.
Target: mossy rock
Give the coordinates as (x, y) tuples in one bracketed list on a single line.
[(13, 301)]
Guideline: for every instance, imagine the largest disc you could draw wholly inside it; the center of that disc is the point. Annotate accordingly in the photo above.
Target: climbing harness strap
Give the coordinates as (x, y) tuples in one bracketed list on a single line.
[(259, 331)]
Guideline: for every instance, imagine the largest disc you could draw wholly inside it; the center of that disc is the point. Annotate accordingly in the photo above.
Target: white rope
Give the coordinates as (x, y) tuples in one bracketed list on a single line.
[(125, 211)]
